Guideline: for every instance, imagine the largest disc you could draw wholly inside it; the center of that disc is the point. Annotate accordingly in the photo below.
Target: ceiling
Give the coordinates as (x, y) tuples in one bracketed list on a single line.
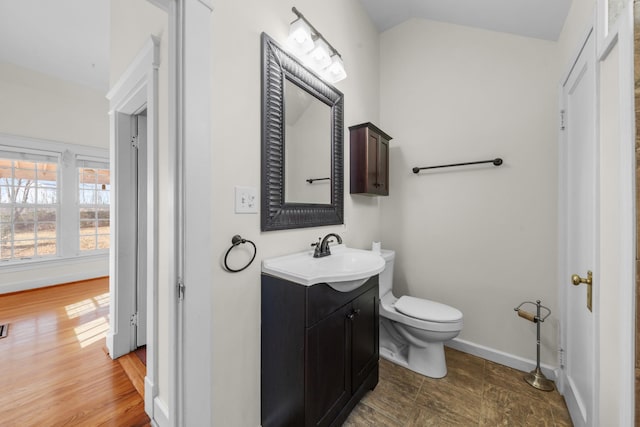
[(541, 19), (69, 39)]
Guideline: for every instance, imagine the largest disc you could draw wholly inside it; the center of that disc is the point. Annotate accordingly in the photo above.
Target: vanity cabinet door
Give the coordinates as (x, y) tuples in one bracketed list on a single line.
[(364, 342), (328, 369)]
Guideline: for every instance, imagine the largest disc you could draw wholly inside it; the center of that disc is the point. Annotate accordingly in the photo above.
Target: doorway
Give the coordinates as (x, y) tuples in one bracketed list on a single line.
[(140, 218), (134, 256)]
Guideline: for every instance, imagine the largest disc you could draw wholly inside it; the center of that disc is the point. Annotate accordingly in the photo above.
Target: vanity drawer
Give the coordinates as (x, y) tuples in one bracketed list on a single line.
[(322, 300)]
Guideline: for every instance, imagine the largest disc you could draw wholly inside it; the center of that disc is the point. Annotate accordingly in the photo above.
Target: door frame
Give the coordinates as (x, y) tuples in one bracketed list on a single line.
[(626, 295), (136, 90), (563, 230), (190, 239), (188, 397), (622, 35)]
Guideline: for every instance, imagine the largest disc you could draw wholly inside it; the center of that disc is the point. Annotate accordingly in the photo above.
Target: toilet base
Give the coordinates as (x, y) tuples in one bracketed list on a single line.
[(428, 361)]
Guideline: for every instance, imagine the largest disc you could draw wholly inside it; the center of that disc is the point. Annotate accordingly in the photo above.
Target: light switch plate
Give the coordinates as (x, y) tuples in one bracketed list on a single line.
[(246, 200)]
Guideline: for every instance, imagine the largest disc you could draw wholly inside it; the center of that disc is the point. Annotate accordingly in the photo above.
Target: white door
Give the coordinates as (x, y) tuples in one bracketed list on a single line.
[(141, 255), (579, 164)]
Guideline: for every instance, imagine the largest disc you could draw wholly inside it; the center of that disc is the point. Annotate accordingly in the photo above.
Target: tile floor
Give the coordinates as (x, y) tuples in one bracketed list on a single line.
[(475, 392)]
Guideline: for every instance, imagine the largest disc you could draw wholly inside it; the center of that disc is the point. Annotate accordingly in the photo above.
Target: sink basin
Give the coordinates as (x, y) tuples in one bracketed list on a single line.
[(344, 270)]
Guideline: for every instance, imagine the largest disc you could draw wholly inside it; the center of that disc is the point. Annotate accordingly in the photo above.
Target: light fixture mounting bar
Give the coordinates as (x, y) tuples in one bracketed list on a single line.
[(315, 31)]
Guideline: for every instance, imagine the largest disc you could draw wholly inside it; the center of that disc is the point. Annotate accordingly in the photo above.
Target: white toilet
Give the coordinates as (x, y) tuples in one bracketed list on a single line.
[(413, 330)]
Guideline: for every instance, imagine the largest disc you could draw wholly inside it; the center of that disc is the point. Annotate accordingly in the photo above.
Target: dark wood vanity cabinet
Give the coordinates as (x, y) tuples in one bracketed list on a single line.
[(319, 351), (369, 160)]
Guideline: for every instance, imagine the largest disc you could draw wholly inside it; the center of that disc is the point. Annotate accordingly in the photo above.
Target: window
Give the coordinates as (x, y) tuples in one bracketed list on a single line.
[(54, 201), (29, 207), (93, 203)]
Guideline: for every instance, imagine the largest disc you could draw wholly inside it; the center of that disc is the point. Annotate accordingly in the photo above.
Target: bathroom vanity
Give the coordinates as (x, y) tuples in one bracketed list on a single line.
[(319, 351)]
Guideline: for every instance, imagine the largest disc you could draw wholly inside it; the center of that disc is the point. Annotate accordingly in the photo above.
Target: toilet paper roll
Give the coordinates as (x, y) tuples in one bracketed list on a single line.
[(376, 247), (526, 315)]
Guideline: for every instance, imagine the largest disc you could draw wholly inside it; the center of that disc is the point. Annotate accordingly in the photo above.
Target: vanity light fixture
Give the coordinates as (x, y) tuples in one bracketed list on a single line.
[(300, 38), (314, 50), (320, 56), (335, 71)]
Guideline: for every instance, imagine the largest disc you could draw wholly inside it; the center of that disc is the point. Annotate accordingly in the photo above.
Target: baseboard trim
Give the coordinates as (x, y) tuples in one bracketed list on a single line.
[(45, 279), (160, 413), (502, 358), (150, 393)]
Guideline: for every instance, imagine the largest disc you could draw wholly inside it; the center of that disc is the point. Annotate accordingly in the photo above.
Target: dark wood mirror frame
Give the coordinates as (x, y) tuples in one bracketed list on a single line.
[(278, 65)]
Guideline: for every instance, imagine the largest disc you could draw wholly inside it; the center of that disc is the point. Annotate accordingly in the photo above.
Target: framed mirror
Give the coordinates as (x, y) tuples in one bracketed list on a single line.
[(302, 144)]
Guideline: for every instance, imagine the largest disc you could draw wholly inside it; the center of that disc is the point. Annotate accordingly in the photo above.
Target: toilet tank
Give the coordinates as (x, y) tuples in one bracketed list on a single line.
[(386, 276)]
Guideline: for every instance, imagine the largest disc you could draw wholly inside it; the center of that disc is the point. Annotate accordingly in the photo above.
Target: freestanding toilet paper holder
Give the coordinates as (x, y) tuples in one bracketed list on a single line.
[(536, 378)]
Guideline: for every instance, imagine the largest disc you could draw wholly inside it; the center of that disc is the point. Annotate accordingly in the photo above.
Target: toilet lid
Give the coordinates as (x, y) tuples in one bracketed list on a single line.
[(427, 310)]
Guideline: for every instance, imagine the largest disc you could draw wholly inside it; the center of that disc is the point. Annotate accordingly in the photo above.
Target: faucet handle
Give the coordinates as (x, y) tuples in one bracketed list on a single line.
[(317, 251)]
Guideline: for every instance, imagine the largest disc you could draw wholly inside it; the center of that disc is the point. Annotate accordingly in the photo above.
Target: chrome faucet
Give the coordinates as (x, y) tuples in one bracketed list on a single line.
[(322, 245)]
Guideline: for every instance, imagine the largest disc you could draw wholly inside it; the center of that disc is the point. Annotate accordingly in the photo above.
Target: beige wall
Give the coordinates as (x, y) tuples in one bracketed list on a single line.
[(36, 105), (482, 239), (236, 130)]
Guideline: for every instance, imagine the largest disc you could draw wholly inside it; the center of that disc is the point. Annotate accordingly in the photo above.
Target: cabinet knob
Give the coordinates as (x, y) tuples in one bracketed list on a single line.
[(353, 314)]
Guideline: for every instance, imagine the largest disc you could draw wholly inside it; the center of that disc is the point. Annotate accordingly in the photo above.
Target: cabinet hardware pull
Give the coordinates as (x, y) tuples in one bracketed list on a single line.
[(353, 314)]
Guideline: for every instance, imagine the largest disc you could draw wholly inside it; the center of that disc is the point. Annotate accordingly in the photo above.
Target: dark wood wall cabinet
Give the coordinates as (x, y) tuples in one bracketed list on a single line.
[(319, 351), (369, 160)]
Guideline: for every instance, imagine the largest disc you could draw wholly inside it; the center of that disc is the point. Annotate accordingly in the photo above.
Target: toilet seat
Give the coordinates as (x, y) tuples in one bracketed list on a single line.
[(389, 311), (425, 309)]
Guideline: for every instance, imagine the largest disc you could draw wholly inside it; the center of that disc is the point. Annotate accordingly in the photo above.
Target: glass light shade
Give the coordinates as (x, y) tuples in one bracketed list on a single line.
[(320, 57), (300, 37), (335, 71)]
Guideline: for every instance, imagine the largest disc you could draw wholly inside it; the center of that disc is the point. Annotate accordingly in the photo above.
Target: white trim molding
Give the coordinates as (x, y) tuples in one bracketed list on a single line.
[(136, 89), (160, 413), (190, 64), (626, 297), (76, 269)]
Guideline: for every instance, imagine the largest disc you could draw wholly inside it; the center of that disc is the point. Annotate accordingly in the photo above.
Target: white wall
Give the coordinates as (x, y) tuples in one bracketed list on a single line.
[(39, 106), (482, 239), (236, 130), (36, 105)]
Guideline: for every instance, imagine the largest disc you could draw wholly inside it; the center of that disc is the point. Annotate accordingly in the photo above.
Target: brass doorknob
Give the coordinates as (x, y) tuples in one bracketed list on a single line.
[(576, 280)]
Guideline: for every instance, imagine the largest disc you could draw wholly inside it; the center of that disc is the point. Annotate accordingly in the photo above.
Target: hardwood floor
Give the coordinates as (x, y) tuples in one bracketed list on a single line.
[(475, 392), (53, 369)]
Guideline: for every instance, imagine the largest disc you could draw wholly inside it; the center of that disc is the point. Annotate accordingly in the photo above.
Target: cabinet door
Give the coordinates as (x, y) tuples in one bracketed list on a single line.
[(382, 167), (365, 344), (371, 167), (328, 369), (377, 181)]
